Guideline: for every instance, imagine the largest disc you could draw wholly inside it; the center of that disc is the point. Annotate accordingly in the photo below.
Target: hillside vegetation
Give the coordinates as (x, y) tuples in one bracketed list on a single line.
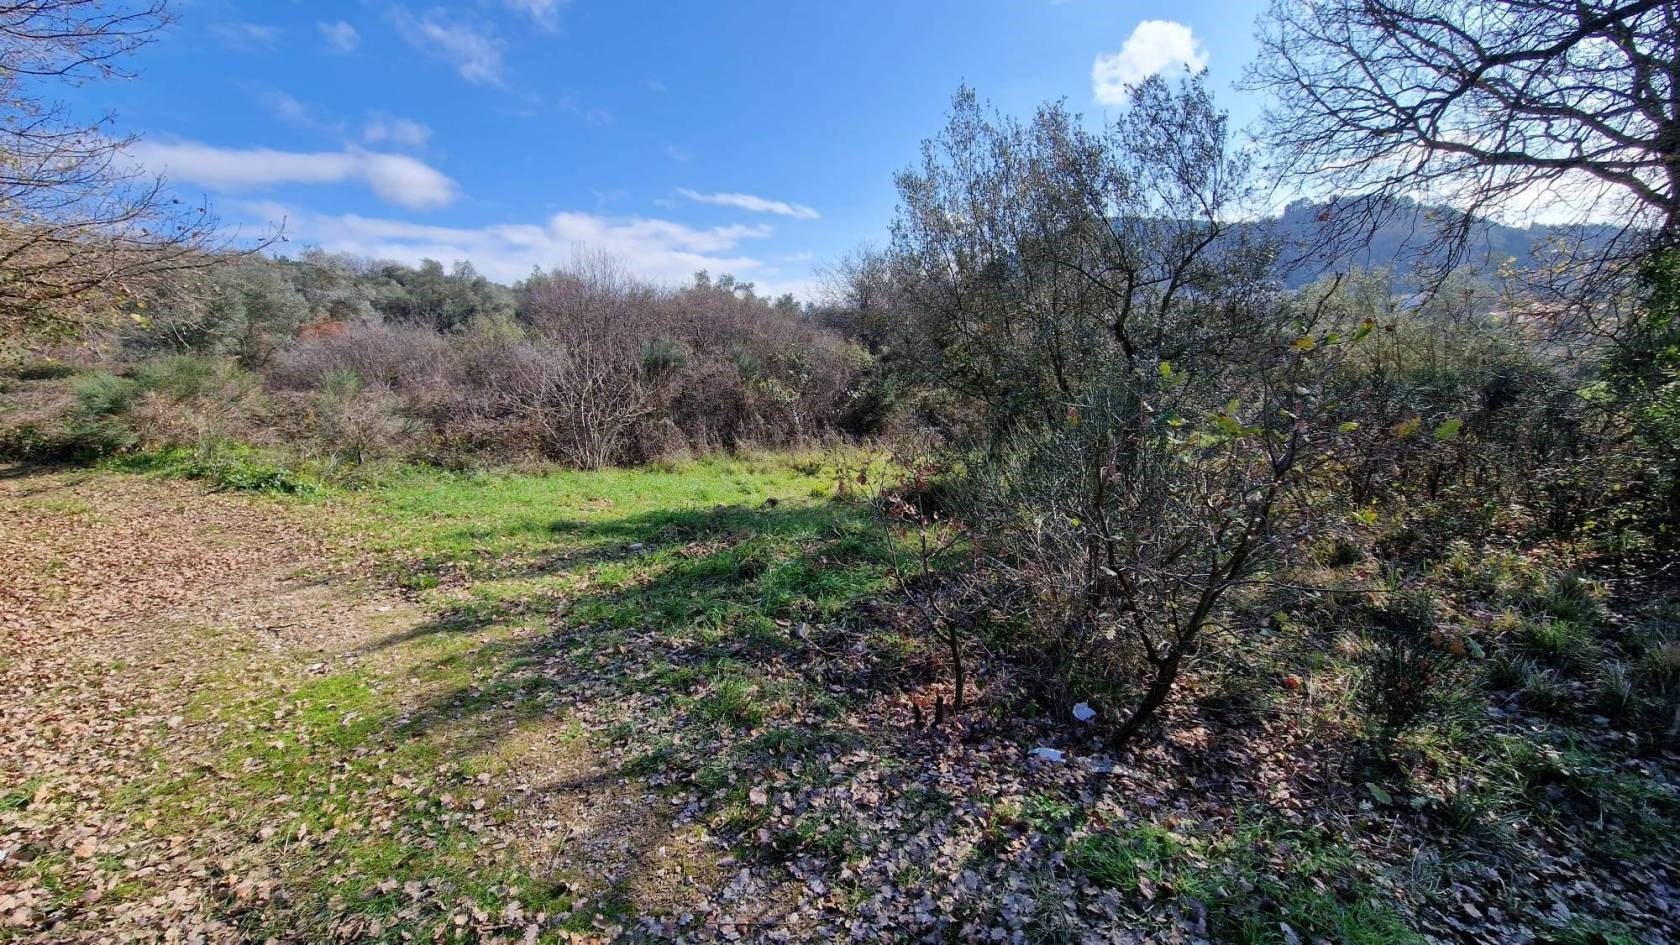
[(1093, 561)]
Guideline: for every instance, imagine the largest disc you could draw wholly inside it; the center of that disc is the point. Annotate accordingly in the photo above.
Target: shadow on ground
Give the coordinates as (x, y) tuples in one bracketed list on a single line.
[(629, 674)]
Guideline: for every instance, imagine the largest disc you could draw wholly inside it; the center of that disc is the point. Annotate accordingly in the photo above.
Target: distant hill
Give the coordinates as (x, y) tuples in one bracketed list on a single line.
[(1402, 242)]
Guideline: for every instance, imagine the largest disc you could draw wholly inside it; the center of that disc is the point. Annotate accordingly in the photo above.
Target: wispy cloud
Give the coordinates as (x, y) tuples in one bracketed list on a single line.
[(288, 108), (474, 53), (752, 203), (339, 36), (379, 129), (299, 114), (1155, 46), (593, 116), (246, 35), (394, 178), (661, 250), (397, 132), (545, 13)]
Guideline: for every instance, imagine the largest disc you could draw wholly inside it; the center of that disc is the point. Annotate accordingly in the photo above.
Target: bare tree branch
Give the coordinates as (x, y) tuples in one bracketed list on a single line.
[(81, 227), (1487, 106)]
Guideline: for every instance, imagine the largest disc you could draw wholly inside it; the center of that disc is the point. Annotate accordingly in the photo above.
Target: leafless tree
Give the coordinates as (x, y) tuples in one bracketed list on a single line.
[(584, 401), (1567, 106), (79, 223)]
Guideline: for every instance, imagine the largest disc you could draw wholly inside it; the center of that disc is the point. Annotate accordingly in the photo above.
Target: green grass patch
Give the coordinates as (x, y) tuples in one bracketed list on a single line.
[(226, 467), (1255, 880), (1120, 860), (18, 798)]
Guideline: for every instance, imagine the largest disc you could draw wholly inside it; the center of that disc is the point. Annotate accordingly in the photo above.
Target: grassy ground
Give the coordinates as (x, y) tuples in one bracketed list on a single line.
[(581, 631), (677, 703)]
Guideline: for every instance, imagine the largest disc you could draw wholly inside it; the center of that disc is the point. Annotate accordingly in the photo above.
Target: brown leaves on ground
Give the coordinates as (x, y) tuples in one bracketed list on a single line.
[(121, 597)]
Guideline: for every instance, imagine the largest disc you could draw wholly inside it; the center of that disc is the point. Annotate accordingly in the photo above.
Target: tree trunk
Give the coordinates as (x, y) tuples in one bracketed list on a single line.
[(1166, 673), (958, 676)]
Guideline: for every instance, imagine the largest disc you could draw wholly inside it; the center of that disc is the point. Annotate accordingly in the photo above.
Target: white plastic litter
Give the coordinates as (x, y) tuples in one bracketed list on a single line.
[(1083, 712), (1047, 754)]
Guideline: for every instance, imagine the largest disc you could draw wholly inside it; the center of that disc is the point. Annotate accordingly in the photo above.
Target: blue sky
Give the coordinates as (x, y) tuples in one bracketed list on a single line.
[(758, 138)]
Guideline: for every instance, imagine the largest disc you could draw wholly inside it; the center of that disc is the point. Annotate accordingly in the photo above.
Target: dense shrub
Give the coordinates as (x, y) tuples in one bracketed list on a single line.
[(102, 394), (400, 357), (350, 423), (243, 309), (582, 364), (1641, 380), (1137, 403), (161, 402)]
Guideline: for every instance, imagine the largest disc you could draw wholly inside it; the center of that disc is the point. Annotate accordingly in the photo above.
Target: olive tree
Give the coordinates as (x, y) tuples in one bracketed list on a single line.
[(245, 308), (1145, 394)]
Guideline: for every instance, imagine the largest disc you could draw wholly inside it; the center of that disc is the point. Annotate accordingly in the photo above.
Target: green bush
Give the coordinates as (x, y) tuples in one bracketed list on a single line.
[(103, 394), (227, 467), (1252, 895), (1119, 860), (1658, 676), (1509, 672), (1562, 644), (244, 471), (1583, 930), (1617, 696), (1544, 692), (180, 376), (162, 401), (95, 426), (41, 369), (733, 700), (1567, 596), (72, 440), (1407, 666)]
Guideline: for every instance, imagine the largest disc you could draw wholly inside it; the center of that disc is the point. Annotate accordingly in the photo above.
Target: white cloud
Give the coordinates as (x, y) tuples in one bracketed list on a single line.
[(661, 250), (476, 55), (397, 132), (591, 116), (752, 203), (339, 35), (293, 112), (246, 35), (1154, 47), (807, 289), (677, 154), (289, 108), (395, 178), (545, 13)]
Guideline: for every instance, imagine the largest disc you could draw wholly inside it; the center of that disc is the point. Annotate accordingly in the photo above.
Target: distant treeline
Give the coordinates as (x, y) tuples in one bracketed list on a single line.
[(356, 359)]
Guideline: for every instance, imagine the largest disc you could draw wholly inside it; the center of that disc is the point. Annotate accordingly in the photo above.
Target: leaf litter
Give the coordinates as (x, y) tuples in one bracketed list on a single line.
[(587, 810)]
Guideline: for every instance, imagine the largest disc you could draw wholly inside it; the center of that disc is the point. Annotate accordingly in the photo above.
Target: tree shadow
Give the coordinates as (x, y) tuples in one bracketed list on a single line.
[(680, 645), (41, 476), (764, 587)]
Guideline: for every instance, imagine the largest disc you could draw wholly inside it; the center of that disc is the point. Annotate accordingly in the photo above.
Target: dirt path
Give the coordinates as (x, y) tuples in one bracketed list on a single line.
[(119, 599), (159, 639)]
